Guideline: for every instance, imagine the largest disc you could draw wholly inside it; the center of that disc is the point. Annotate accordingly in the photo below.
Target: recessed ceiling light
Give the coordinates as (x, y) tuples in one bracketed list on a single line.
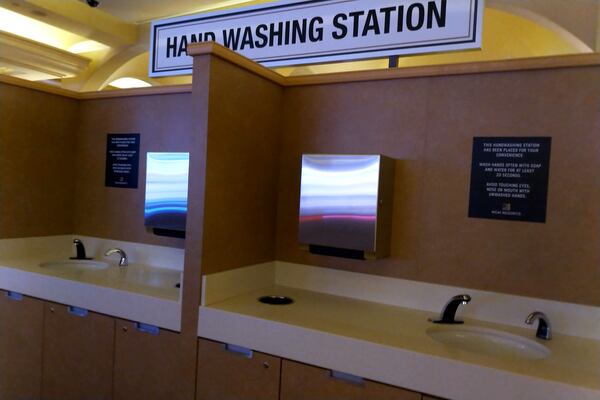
[(87, 46), (41, 32), (129, 83)]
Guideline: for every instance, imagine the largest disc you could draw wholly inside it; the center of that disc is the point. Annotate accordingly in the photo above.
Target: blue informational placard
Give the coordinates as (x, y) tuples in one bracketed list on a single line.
[(122, 160), (509, 178)]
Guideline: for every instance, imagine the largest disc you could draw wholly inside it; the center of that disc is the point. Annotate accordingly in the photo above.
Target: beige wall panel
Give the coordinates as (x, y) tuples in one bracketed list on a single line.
[(428, 124), (302, 382), (556, 260), (37, 158), (387, 118), (242, 169), (164, 124), (153, 367), (223, 375), (21, 327), (196, 199), (78, 355)]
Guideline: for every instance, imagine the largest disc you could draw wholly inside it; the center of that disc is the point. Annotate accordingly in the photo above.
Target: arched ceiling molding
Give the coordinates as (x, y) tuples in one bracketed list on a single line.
[(546, 22), (135, 67), (102, 76)]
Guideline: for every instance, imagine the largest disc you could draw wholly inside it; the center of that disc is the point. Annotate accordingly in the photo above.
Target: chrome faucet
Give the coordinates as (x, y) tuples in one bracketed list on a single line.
[(123, 261), (544, 330), (448, 315), (79, 250)]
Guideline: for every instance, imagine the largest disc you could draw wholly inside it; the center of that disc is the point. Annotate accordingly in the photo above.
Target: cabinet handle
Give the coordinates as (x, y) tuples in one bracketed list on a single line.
[(14, 296), (239, 350), (266, 365), (349, 378), (146, 328), (77, 311)]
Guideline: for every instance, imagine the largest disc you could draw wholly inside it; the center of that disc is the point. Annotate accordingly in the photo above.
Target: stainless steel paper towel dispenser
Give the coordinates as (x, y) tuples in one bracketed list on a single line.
[(165, 207), (346, 204)]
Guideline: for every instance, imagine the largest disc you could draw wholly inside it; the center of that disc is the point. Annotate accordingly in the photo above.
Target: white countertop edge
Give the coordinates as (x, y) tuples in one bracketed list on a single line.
[(116, 303), (137, 253), (61, 247), (567, 318), (507, 309), (224, 285), (419, 372)]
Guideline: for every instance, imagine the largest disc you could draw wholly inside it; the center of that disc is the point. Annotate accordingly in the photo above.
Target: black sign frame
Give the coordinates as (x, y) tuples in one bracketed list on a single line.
[(122, 160), (509, 178)]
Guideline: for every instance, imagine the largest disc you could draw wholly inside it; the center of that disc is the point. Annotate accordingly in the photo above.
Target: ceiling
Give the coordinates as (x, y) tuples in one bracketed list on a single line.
[(141, 11), (68, 43)]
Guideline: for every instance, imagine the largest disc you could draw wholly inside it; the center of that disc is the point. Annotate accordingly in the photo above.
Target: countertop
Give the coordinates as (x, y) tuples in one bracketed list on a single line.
[(390, 344), (137, 292)]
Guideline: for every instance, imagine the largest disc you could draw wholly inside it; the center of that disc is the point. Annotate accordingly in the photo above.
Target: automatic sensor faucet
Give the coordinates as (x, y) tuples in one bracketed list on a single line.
[(544, 330), (448, 315), (80, 250), (123, 262)]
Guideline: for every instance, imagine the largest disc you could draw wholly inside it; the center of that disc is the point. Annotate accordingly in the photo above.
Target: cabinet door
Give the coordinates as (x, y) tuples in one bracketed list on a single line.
[(425, 397), (78, 354), (302, 382), (153, 365), (234, 374), (21, 328)]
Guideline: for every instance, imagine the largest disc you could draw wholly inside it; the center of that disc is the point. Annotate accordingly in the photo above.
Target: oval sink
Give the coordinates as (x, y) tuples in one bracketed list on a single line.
[(148, 276), (489, 342), (74, 265)]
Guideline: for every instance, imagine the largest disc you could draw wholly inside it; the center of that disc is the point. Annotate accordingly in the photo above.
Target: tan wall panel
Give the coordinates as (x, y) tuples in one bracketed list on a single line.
[(428, 124), (78, 355), (52, 162), (387, 118), (37, 148), (300, 382), (164, 124), (241, 172), (556, 260), (225, 375), (153, 367), (21, 327), (191, 284)]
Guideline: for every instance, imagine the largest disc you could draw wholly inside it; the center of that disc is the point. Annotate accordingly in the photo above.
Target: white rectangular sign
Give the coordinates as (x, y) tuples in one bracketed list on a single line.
[(292, 32)]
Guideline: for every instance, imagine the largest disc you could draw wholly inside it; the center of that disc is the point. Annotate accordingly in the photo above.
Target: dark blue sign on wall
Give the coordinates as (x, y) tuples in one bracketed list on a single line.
[(122, 160), (509, 178)]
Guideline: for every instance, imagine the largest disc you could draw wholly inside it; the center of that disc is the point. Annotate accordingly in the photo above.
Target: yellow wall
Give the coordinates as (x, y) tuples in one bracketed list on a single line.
[(505, 36)]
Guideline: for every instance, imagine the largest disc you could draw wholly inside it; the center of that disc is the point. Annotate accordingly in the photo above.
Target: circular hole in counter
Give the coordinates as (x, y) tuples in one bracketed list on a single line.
[(276, 300)]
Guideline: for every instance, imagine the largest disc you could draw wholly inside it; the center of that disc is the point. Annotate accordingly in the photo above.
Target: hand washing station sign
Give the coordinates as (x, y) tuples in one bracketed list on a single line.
[(296, 32)]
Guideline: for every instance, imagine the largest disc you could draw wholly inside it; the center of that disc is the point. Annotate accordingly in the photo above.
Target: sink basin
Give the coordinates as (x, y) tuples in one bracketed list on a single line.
[(489, 342), (74, 265), (149, 276)]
